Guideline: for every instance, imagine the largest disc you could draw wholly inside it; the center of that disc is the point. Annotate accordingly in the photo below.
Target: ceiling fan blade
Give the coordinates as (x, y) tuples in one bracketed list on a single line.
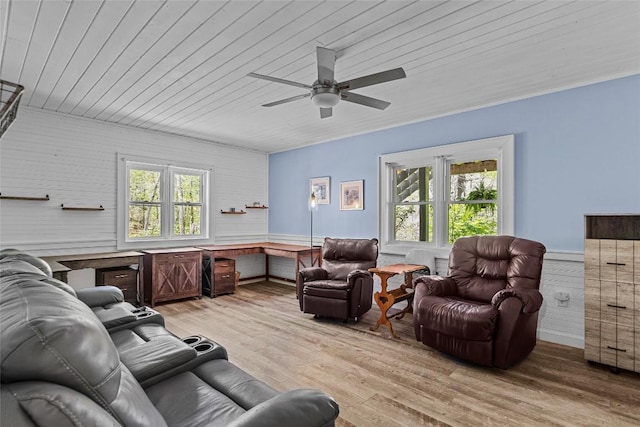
[(277, 80), (373, 79), (364, 100), (326, 64), (326, 112), (284, 101)]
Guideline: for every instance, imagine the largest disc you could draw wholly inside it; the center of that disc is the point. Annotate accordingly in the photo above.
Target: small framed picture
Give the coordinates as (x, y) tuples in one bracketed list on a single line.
[(352, 195), (320, 187)]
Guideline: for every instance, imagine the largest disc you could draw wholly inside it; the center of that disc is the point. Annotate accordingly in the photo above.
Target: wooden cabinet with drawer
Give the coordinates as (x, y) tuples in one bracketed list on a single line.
[(125, 278), (171, 274), (612, 290), (222, 279)]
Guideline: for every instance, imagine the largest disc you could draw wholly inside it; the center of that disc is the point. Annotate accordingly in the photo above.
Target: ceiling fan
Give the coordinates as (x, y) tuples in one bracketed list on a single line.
[(327, 92)]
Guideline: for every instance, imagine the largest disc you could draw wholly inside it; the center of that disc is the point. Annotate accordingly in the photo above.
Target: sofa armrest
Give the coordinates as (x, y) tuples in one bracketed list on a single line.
[(156, 356), (100, 295), (301, 407), (531, 298), (355, 274), (114, 316), (313, 273), (434, 286)]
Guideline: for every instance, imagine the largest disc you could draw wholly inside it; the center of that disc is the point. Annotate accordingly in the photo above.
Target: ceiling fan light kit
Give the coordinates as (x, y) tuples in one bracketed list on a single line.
[(325, 97), (326, 93)]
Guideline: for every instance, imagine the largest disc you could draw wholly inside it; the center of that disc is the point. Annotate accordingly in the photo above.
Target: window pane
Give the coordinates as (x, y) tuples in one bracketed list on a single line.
[(467, 219), (413, 185), (186, 188), (413, 223), (187, 220), (144, 185), (473, 180), (144, 221)]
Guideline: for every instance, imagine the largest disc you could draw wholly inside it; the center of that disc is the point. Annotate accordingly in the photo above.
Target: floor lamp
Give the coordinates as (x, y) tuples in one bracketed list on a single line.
[(313, 206)]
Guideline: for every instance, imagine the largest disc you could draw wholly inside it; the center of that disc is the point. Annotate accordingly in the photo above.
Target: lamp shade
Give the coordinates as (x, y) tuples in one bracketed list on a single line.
[(313, 202)]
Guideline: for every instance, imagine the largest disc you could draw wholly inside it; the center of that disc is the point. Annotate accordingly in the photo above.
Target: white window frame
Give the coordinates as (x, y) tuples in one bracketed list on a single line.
[(501, 148), (168, 170)]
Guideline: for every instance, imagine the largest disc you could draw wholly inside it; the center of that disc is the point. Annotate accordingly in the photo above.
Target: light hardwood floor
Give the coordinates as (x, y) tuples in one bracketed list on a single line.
[(382, 381)]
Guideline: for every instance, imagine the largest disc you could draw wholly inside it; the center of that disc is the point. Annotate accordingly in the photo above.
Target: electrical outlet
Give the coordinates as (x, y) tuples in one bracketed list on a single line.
[(562, 299)]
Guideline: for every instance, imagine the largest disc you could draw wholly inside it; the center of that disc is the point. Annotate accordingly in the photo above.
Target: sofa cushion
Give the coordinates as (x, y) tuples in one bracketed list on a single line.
[(46, 404), (483, 265), (328, 284), (327, 289), (14, 268), (198, 404), (341, 256), (463, 319), (238, 385), (15, 254)]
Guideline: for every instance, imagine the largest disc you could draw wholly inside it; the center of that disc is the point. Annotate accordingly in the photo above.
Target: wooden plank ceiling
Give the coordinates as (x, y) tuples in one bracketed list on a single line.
[(181, 66)]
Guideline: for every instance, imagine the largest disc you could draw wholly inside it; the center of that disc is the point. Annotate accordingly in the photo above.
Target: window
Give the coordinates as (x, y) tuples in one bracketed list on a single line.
[(161, 202), (432, 196)]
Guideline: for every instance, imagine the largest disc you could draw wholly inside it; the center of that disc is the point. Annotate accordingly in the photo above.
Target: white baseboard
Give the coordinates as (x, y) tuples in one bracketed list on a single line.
[(561, 338)]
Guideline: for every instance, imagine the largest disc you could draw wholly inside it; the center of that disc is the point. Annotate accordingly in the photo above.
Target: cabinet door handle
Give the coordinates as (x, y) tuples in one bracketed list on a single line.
[(120, 276), (616, 306), (616, 263), (226, 276), (616, 349)]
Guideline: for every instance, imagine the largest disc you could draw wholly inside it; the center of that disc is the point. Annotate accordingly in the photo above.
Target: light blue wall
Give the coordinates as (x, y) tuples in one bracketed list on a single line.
[(577, 152)]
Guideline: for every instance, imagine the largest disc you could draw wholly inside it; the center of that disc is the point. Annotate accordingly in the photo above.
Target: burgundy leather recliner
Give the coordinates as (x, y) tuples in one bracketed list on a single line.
[(486, 309), (342, 287)]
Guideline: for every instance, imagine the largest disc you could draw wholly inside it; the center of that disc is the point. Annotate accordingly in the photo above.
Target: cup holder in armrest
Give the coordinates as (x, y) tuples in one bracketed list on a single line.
[(203, 347), (192, 340), (199, 344), (143, 314)]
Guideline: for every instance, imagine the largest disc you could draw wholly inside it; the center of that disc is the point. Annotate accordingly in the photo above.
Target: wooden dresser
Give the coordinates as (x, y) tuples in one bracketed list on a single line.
[(172, 274), (612, 290)]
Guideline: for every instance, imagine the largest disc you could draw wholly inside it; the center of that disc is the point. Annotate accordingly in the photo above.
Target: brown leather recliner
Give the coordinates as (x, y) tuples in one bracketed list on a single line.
[(486, 309), (342, 287)]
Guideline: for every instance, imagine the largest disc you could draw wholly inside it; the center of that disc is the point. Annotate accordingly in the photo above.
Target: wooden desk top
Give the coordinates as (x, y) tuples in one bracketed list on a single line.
[(170, 250), (99, 260), (396, 268), (116, 259), (262, 246), (83, 257)]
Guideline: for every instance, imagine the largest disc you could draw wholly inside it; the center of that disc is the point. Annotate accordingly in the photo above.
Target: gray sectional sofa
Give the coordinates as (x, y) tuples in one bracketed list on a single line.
[(60, 366)]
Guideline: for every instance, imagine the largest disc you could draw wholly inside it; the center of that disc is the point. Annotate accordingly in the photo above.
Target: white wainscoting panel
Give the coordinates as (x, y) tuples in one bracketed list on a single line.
[(250, 265), (564, 325)]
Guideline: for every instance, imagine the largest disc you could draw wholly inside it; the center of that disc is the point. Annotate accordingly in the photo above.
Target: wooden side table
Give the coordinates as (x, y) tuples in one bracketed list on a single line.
[(387, 298)]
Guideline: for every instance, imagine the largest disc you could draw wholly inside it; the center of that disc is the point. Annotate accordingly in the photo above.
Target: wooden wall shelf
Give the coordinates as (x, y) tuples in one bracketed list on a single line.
[(232, 213), (37, 199), (78, 208), (256, 207)]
